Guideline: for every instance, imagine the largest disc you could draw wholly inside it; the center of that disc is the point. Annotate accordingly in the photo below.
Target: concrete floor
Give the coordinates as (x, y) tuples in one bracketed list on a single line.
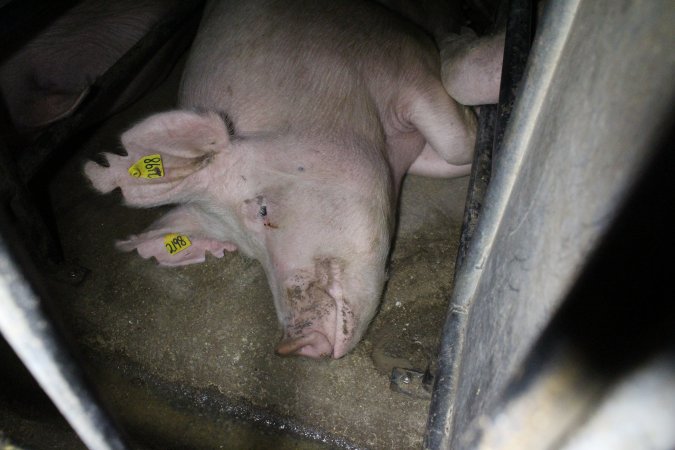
[(180, 351)]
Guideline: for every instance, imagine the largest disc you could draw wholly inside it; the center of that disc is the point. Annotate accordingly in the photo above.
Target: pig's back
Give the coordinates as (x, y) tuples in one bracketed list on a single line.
[(304, 66)]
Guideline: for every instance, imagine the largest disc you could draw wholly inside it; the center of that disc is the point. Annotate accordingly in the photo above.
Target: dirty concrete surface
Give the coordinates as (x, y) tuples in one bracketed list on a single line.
[(200, 338)]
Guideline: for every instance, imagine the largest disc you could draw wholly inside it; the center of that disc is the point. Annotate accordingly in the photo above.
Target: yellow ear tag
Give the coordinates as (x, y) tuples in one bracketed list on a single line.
[(148, 167), (175, 243)]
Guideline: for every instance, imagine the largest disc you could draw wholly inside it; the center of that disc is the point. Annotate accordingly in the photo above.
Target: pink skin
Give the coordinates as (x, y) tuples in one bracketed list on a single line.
[(324, 131), (472, 67), (225, 185)]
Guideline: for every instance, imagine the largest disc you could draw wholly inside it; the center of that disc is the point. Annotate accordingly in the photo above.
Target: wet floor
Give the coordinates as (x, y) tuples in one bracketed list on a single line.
[(199, 339)]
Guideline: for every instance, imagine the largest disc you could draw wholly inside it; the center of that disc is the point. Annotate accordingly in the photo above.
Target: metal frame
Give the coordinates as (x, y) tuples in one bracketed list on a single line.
[(593, 103)]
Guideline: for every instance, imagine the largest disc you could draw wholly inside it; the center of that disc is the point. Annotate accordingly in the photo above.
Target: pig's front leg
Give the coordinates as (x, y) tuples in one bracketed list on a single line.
[(181, 237)]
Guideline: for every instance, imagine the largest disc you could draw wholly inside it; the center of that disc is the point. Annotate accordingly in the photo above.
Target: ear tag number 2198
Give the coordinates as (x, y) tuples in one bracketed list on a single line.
[(148, 167), (175, 243)]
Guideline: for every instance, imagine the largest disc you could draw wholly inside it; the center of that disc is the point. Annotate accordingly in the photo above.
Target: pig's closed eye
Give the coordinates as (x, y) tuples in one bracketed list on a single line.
[(257, 210)]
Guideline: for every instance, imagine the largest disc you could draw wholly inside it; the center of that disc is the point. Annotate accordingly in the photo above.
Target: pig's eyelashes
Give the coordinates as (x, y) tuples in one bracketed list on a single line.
[(263, 211), (204, 160), (228, 122)]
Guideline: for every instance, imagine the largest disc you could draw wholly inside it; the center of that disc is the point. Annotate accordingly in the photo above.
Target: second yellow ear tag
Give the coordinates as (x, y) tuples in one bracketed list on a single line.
[(148, 167), (175, 243)]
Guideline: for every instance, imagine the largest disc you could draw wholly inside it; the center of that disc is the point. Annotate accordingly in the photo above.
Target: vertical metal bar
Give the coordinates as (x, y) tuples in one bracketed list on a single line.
[(492, 124), (518, 40), (479, 179), (579, 137), (28, 329)]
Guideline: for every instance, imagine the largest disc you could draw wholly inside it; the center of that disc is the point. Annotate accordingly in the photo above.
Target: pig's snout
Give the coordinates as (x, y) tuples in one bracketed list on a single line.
[(313, 345), (318, 322)]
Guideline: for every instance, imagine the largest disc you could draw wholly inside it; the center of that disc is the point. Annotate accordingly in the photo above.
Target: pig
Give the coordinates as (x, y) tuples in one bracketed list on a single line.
[(296, 123), (471, 68), (47, 78)]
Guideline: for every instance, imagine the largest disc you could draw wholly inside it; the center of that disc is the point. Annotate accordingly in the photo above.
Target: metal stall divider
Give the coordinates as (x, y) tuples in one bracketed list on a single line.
[(595, 101), (516, 17)]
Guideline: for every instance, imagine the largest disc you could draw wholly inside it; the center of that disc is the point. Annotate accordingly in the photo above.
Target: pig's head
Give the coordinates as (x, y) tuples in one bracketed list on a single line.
[(317, 215)]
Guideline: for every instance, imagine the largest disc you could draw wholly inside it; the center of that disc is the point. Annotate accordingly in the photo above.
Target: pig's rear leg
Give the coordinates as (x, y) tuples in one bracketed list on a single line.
[(191, 225), (430, 164), (471, 67), (471, 74)]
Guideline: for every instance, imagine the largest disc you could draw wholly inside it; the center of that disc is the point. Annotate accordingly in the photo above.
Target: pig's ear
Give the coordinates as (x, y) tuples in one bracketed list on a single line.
[(165, 156), (183, 236)]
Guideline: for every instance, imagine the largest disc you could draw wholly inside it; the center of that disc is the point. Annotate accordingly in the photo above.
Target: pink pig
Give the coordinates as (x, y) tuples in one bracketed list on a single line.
[(297, 121)]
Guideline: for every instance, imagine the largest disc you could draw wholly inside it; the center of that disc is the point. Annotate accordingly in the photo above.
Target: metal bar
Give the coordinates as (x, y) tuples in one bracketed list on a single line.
[(609, 357), (517, 43), (489, 119), (28, 329), (580, 135), (479, 179), (491, 125)]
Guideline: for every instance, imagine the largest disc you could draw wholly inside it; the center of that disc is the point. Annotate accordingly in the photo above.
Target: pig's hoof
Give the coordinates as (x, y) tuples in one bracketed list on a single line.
[(313, 345)]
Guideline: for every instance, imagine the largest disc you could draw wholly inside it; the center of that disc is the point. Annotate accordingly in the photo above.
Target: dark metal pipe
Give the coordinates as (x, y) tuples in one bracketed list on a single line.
[(517, 43), (479, 179)]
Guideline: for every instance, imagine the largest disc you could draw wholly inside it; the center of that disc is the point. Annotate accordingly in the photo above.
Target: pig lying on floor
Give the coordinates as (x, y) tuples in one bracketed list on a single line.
[(297, 121)]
